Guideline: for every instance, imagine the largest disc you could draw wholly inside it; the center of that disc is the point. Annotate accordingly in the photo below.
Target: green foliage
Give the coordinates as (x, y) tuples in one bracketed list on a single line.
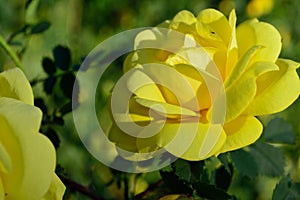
[(40, 27), (279, 131), (270, 159), (211, 191), (62, 57), (245, 163), (286, 189), (182, 169), (48, 65), (223, 177)]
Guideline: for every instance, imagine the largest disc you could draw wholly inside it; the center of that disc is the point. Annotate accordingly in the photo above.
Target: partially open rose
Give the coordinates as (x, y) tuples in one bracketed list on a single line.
[(27, 158), (206, 83)]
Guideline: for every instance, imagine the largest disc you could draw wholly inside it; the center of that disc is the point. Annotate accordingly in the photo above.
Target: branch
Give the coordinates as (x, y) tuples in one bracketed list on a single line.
[(10, 52), (80, 188)]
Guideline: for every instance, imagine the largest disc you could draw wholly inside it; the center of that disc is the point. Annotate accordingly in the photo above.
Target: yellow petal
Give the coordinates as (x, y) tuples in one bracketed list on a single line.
[(5, 161), (170, 197), (138, 111), (173, 86), (276, 90), (253, 32), (241, 92), (241, 132), (256, 8), (165, 109), (183, 22), (159, 39), (143, 86), (56, 190), (120, 117), (205, 84), (143, 39), (184, 16), (194, 141), (32, 154), (2, 193), (129, 62), (217, 22), (198, 57), (122, 140), (232, 53), (214, 30), (14, 84), (190, 141), (124, 108), (191, 75), (242, 65)]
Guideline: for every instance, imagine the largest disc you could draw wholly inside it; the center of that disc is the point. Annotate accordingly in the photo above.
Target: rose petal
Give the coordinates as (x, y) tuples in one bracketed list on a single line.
[(217, 22), (276, 90), (143, 86), (232, 53), (5, 161), (241, 132), (242, 65), (56, 190), (1, 190), (165, 109), (183, 22), (14, 84), (173, 86), (32, 154), (184, 16), (201, 142), (121, 139), (240, 93), (253, 32)]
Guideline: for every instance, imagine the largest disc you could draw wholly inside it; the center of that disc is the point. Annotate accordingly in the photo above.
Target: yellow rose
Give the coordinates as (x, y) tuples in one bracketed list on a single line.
[(27, 158), (257, 8), (202, 65)]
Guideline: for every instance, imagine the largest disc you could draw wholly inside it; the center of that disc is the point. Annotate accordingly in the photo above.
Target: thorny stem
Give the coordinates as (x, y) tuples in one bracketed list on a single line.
[(80, 188), (10, 52)]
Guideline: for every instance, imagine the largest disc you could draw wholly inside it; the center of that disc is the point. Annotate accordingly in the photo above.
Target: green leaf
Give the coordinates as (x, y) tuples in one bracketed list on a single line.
[(182, 169), (224, 160), (279, 131), (223, 178), (245, 163), (66, 108), (49, 66), (40, 27), (28, 2), (199, 171), (58, 120), (62, 57), (176, 184), (286, 190), (211, 191), (270, 159), (49, 84), (67, 83)]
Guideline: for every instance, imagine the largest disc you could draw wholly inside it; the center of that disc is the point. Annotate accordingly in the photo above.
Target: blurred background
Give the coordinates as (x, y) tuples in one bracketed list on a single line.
[(79, 26)]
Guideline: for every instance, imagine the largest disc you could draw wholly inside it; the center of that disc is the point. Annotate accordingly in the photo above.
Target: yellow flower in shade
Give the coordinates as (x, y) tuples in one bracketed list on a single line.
[(27, 158), (257, 8), (177, 88)]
